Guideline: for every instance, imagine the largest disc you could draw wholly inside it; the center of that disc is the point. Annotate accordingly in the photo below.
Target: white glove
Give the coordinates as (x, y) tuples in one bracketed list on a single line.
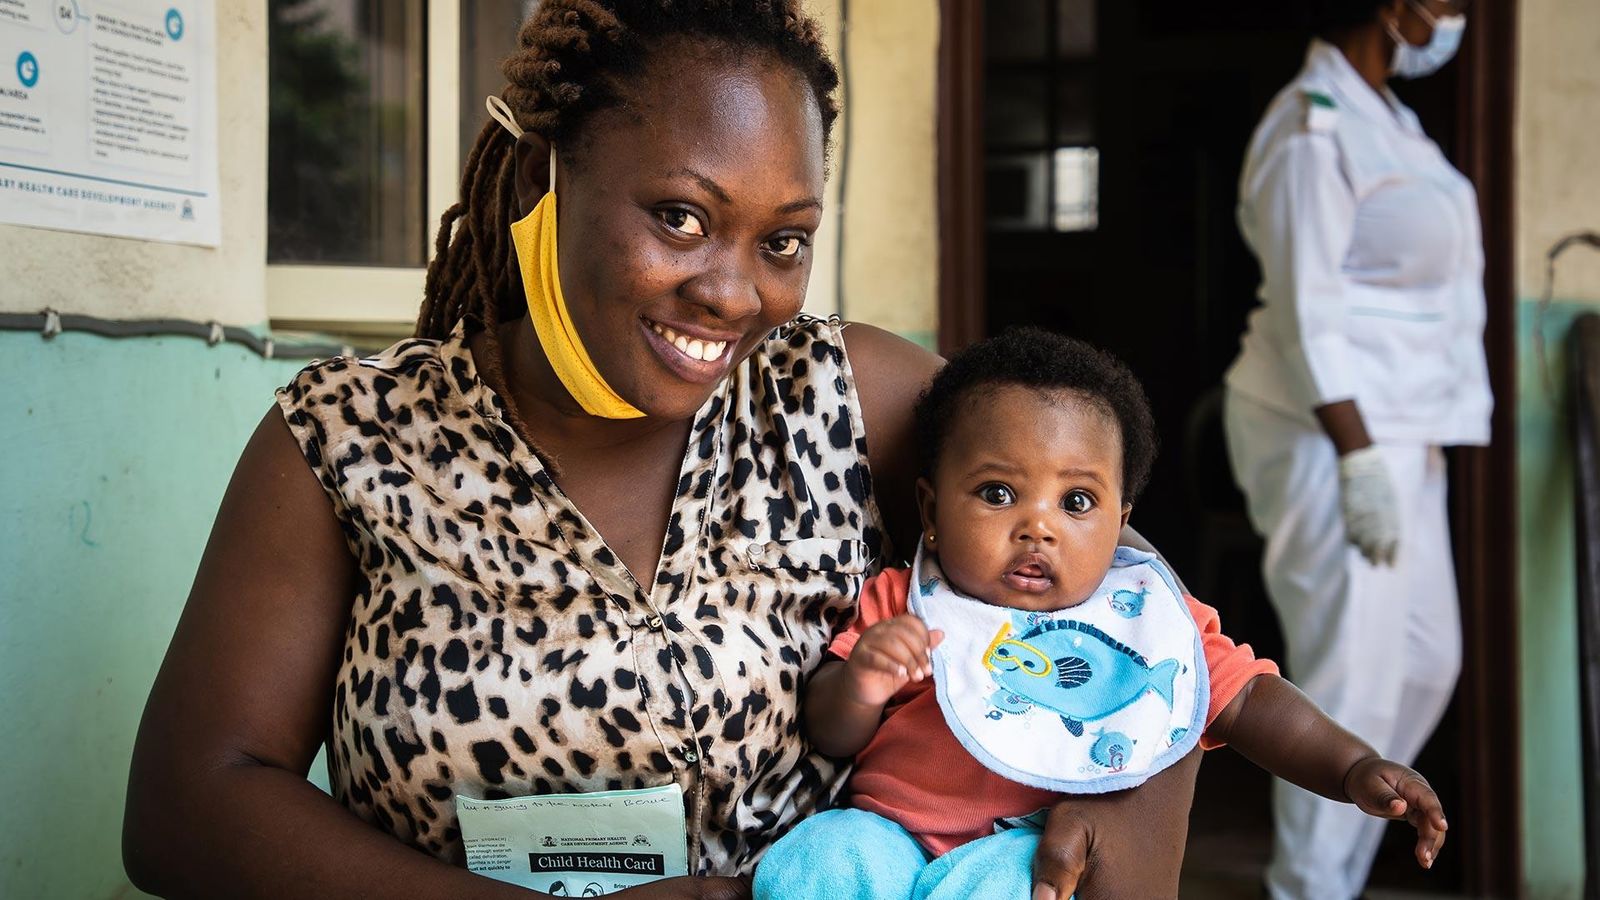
[(1367, 500)]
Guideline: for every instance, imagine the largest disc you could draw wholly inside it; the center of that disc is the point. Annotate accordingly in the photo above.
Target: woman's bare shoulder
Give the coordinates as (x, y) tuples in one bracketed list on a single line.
[(890, 373)]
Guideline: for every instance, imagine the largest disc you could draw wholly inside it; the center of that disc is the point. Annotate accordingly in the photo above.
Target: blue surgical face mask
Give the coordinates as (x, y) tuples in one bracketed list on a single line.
[(1415, 62)]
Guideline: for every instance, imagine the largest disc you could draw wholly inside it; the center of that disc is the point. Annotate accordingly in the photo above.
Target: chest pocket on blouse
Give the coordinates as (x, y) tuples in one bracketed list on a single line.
[(812, 583), (803, 556)]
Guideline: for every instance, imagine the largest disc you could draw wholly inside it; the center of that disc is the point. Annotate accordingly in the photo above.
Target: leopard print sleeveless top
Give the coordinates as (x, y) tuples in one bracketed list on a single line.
[(496, 646)]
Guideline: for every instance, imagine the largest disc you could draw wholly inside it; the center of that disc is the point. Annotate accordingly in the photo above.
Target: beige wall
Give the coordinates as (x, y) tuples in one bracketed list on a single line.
[(1558, 143), (891, 211), (122, 278)]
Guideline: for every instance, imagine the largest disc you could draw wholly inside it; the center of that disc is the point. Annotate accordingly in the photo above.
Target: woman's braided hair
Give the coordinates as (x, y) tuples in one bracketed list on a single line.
[(576, 59)]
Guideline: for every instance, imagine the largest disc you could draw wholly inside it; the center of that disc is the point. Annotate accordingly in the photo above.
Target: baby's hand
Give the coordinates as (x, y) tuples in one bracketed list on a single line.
[(1389, 790), (889, 655)]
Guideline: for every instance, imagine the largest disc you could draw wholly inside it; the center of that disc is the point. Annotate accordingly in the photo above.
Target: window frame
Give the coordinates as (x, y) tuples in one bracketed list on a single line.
[(385, 299), (1050, 70)]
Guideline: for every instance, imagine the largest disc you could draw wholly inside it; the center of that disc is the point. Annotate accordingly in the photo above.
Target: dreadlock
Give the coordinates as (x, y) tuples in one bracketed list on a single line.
[(576, 58)]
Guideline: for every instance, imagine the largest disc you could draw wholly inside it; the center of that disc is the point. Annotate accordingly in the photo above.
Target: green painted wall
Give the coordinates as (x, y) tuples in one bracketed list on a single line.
[(116, 454), (1552, 812)]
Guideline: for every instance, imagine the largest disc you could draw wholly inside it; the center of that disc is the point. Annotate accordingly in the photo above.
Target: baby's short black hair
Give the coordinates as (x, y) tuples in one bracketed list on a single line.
[(1034, 358)]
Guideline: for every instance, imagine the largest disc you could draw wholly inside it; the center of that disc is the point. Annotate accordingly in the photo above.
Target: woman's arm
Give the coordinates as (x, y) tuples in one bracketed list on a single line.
[(1126, 845), (218, 803), (890, 374)]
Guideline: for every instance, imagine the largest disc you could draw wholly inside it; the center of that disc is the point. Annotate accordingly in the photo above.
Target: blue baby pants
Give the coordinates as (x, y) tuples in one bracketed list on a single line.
[(851, 854)]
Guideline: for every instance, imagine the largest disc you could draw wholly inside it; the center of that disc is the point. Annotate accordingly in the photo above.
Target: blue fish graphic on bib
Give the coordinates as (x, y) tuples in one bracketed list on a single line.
[(1019, 688), (1076, 670)]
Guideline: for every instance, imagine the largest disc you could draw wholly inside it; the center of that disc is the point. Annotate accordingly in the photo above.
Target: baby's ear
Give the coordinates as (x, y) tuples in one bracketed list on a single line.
[(1127, 510), (925, 504)]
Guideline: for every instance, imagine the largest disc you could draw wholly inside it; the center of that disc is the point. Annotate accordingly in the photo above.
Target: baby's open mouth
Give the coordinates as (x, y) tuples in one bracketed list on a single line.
[(1031, 574)]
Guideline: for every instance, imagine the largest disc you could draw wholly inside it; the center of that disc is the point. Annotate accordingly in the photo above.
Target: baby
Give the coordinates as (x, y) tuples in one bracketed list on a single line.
[(1026, 656)]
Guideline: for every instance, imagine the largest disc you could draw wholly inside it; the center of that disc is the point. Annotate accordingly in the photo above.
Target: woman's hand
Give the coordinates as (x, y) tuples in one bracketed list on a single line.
[(1124, 844), (1367, 500), (888, 656), (1369, 505), (1388, 790)]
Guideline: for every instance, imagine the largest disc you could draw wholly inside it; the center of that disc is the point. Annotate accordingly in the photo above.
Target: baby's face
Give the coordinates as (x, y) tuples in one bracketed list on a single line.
[(1025, 506)]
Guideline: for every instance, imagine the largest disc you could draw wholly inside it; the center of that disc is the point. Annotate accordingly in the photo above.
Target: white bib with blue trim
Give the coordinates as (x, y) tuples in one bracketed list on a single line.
[(1095, 698)]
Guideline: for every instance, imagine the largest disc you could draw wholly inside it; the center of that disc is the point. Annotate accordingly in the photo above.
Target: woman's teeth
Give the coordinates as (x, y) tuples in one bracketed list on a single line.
[(705, 351)]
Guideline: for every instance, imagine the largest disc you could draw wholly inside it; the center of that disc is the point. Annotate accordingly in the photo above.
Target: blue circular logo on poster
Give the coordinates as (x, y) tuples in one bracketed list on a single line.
[(27, 69), (174, 24)]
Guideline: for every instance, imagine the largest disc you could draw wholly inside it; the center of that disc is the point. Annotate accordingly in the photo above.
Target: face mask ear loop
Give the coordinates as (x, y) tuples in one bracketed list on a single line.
[(1420, 7), (500, 112)]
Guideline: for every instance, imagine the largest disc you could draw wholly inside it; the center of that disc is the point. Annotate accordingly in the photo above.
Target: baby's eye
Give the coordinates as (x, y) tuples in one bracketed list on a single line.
[(1077, 502), (995, 494), (682, 220), (787, 246)]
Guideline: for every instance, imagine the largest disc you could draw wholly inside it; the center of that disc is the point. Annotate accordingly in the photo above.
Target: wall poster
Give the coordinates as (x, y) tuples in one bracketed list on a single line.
[(108, 117)]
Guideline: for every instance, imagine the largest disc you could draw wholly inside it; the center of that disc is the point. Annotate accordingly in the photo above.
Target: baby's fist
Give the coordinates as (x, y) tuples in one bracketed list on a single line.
[(1388, 790), (888, 656)]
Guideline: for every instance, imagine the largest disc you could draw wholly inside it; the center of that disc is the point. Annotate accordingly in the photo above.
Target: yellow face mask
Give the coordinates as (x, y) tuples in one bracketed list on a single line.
[(535, 238)]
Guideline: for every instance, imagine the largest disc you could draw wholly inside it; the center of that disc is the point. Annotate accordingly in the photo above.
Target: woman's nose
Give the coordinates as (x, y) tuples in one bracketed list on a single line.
[(725, 289)]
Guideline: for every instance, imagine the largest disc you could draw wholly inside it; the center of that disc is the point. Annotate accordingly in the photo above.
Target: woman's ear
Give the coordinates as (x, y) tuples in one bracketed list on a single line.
[(531, 164), (925, 507)]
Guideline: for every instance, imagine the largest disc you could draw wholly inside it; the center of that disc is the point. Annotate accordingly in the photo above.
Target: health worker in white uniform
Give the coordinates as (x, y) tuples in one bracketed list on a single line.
[(1364, 358)]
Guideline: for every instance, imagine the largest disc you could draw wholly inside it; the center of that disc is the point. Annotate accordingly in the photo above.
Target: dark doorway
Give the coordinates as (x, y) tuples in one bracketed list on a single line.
[(1090, 153)]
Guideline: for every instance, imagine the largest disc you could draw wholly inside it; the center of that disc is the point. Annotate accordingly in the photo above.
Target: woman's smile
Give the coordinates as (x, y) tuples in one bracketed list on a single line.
[(695, 355)]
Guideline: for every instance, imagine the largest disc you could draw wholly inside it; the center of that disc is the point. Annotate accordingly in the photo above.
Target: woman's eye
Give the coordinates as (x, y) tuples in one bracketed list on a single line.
[(1078, 502), (995, 494), (684, 221), (787, 246)]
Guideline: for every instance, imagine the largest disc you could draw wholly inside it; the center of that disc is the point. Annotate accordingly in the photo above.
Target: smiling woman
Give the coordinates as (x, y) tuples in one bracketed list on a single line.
[(592, 529)]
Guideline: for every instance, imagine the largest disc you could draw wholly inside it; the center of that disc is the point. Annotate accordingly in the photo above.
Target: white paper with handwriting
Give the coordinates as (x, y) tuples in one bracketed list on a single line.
[(577, 845)]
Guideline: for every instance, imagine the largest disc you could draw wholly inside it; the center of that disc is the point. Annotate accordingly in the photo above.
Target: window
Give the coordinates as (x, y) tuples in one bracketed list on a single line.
[(1043, 169), (369, 104), (345, 132)]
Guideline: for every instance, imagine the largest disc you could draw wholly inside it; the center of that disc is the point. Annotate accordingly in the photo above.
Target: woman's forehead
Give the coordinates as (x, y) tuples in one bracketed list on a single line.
[(748, 121)]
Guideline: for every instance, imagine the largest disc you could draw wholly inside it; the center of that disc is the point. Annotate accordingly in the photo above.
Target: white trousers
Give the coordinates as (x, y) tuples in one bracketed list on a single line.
[(1377, 647)]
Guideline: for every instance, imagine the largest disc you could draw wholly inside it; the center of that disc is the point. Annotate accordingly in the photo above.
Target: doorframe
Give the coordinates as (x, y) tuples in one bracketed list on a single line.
[(960, 174), (1483, 480)]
